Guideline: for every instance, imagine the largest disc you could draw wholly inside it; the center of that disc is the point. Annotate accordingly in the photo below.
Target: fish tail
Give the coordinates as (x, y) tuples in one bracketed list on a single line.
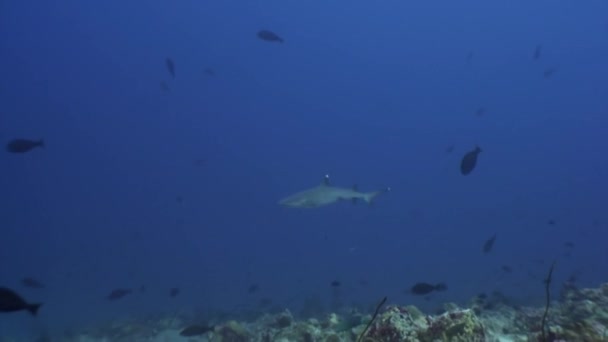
[(369, 197), (33, 308), (441, 287), (41, 143)]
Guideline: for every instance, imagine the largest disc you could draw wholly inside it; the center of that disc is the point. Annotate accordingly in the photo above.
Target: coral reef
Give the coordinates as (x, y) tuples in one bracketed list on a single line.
[(579, 315)]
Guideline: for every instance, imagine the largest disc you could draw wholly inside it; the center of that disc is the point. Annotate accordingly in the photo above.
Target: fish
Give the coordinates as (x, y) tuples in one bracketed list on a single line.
[(118, 294), (170, 66), (269, 36), (165, 87), (10, 301), (506, 269), (23, 145), (489, 244), (32, 283), (174, 292), (480, 111), (469, 161), (549, 72), (209, 72), (253, 288), (551, 222), (196, 330), (537, 52), (325, 194), (335, 283), (426, 288)]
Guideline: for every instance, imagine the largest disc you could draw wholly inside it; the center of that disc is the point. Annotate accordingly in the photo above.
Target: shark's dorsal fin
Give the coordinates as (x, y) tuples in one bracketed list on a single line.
[(325, 181)]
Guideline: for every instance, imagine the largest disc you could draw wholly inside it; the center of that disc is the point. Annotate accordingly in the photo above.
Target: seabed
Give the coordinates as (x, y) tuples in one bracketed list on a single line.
[(580, 315)]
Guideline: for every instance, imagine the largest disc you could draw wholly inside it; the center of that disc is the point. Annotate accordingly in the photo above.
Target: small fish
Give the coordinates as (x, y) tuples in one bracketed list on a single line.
[(23, 145), (253, 288), (551, 222), (165, 87), (426, 288), (506, 269), (32, 283), (174, 292), (118, 294), (10, 301), (489, 244), (480, 112), (170, 66), (469, 161), (537, 52), (196, 330), (549, 72), (449, 149), (569, 244), (335, 283), (209, 72), (269, 36)]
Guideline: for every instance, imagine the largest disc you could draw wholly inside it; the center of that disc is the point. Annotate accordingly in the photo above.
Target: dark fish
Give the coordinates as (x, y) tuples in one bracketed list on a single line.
[(335, 283), (142, 289), (10, 301), (269, 36), (179, 199), (469, 161), (449, 149), (196, 330), (480, 111), (549, 72), (32, 283), (569, 244), (551, 222), (164, 87), (174, 292), (426, 288), (170, 66), (253, 288), (209, 72), (118, 294), (23, 145), (489, 244), (537, 52), (506, 269)]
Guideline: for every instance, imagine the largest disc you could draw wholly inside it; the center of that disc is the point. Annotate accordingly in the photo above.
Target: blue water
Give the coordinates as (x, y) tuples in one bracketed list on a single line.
[(371, 93)]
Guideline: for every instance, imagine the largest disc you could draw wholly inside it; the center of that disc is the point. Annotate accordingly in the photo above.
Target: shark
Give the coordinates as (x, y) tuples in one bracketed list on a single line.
[(324, 194)]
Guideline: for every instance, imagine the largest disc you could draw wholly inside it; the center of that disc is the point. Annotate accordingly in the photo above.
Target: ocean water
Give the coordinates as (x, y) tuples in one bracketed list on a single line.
[(143, 186)]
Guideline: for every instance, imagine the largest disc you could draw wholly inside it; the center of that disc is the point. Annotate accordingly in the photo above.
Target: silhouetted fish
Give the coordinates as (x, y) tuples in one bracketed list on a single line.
[(469, 161), (489, 244), (506, 269), (174, 292), (480, 111), (537, 52), (196, 330), (31, 283), (23, 145), (253, 288), (170, 66), (426, 288), (335, 283), (10, 301), (118, 293), (549, 72), (165, 87), (269, 36), (209, 72)]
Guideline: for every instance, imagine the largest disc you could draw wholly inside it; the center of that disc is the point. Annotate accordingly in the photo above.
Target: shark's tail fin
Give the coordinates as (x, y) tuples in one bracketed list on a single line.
[(369, 197)]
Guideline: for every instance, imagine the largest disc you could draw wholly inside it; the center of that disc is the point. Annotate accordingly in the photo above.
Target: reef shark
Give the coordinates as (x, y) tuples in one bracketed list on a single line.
[(324, 194)]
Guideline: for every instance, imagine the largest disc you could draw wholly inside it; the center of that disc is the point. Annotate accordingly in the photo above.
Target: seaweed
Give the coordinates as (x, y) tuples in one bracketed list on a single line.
[(378, 307), (544, 336)]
